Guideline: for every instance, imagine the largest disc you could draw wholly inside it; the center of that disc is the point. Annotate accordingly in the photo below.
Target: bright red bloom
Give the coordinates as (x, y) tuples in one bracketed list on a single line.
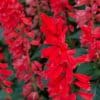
[(15, 33), (90, 38), (60, 68), (12, 10), (5, 73), (58, 6), (82, 77), (61, 62), (86, 96), (54, 26)]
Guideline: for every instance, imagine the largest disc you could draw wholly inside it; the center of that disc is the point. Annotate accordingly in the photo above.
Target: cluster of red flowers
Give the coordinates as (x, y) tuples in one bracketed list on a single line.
[(62, 63), (19, 37), (86, 19), (14, 34), (58, 6), (5, 73), (91, 39), (63, 82)]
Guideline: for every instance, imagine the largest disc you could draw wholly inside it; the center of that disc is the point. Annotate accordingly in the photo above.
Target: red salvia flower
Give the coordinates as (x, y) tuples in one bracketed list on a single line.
[(58, 6), (5, 73), (61, 63), (90, 38), (20, 34)]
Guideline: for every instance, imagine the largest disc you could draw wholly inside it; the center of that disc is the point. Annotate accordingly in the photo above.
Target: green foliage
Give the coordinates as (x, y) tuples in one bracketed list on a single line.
[(2, 95), (17, 87)]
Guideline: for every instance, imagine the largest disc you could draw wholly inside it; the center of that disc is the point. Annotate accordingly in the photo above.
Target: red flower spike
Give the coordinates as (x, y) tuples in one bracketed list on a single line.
[(86, 96), (61, 65), (62, 62)]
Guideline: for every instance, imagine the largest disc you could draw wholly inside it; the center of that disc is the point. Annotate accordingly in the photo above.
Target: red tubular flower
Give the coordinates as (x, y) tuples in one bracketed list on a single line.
[(87, 37), (19, 37), (57, 36), (58, 6), (62, 62), (12, 10), (86, 96), (15, 33), (57, 62), (83, 78), (85, 16), (84, 86), (90, 38), (63, 9), (5, 73)]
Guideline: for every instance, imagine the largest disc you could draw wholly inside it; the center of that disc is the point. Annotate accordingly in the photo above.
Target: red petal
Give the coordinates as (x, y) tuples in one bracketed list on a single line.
[(86, 96)]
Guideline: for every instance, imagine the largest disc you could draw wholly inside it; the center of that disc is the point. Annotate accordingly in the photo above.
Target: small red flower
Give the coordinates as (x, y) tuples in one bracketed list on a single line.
[(90, 39), (86, 96)]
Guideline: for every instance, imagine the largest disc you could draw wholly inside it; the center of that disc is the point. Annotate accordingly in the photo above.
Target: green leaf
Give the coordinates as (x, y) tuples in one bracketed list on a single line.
[(72, 2), (37, 52), (71, 20), (80, 51), (17, 91), (2, 95), (96, 91), (86, 68), (81, 7), (74, 35)]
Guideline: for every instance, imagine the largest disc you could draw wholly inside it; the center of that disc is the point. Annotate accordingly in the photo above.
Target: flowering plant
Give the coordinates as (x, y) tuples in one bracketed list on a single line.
[(49, 49)]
